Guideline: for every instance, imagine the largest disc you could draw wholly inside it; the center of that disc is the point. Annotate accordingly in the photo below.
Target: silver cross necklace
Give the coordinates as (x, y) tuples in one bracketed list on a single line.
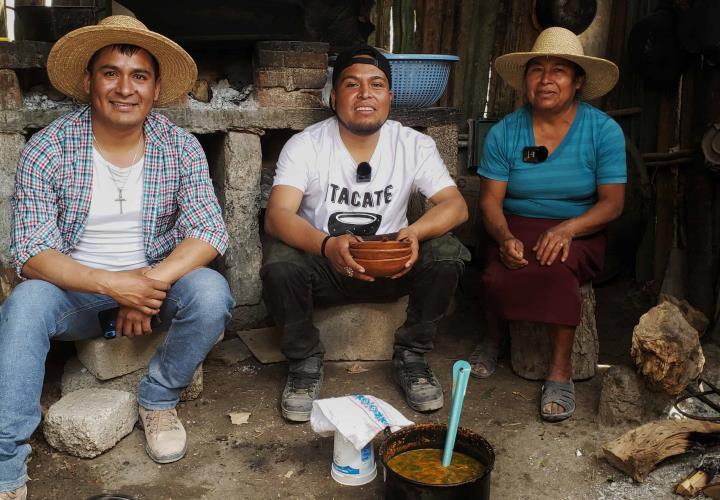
[(123, 178)]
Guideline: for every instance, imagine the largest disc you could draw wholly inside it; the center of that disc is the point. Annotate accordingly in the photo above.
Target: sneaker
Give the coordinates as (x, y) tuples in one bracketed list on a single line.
[(422, 389), (18, 494), (301, 389), (165, 438)]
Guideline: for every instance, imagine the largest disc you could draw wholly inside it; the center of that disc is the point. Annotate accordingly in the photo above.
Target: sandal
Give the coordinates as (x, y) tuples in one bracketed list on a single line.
[(560, 393), (483, 360)]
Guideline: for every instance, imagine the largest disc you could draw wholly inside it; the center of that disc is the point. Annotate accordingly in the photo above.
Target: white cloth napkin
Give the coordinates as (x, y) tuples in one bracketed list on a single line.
[(358, 418)]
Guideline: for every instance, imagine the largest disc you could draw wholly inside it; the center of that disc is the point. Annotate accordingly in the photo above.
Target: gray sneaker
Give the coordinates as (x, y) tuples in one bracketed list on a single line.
[(422, 389), (301, 389)]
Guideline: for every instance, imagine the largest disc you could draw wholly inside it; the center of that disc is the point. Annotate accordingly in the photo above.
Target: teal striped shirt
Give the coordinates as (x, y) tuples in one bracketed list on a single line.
[(565, 185)]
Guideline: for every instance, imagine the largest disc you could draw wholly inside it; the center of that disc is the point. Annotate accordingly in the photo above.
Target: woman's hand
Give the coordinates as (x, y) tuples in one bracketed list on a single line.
[(337, 251), (512, 253), (550, 243)]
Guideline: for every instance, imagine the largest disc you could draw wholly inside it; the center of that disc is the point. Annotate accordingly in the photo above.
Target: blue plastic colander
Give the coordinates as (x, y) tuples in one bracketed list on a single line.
[(419, 80)]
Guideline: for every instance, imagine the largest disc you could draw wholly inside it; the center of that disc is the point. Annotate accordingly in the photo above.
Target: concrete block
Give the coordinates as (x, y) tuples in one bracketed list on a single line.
[(88, 422), (24, 54), (446, 140), (11, 146), (10, 92), (107, 359), (241, 164), (280, 98), (76, 377), (291, 78), (349, 332), (352, 332), (290, 59)]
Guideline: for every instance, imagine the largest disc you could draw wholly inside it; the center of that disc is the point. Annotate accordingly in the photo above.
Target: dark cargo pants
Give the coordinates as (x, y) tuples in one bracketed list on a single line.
[(293, 281)]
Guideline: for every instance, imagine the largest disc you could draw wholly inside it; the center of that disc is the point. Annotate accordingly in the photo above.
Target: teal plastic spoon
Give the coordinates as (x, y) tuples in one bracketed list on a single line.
[(461, 374)]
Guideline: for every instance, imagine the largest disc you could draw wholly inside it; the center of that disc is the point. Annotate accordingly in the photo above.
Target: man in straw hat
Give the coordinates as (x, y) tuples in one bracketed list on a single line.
[(353, 174), (113, 208), (553, 178)]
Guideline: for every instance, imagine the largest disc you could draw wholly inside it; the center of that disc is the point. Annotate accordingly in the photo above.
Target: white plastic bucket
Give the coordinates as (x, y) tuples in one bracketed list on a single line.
[(352, 467)]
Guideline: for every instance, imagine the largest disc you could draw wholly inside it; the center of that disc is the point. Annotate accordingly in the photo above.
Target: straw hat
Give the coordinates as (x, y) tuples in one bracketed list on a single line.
[(70, 55), (601, 75)]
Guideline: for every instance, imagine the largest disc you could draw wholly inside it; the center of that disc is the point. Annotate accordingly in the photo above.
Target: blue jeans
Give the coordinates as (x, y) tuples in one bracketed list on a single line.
[(196, 310)]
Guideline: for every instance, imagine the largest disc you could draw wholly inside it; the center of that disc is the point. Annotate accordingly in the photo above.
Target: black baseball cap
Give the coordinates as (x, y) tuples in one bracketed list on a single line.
[(361, 54)]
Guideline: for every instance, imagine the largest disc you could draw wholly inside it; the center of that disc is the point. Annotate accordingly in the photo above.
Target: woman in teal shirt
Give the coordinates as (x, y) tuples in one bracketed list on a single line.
[(554, 176)]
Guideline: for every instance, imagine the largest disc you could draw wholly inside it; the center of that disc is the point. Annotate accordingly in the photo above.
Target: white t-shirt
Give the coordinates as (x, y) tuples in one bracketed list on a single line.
[(316, 162), (111, 240)]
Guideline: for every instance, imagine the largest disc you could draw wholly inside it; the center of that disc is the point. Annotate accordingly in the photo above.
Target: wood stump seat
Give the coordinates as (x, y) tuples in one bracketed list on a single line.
[(530, 348)]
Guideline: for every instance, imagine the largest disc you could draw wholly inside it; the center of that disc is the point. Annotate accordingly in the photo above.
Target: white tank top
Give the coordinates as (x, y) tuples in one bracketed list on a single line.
[(113, 240)]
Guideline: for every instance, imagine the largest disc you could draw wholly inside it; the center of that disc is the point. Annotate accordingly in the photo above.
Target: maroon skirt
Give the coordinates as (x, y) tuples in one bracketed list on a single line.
[(545, 294)]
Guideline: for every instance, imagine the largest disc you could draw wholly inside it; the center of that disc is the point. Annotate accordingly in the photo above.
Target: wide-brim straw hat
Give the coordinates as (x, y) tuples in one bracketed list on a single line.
[(601, 75), (70, 55)]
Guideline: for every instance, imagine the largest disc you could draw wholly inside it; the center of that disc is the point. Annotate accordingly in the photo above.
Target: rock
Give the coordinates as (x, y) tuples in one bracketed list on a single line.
[(711, 370), (76, 377), (281, 98), (696, 318), (666, 348), (625, 398), (112, 358), (228, 353), (530, 347), (201, 91), (87, 422)]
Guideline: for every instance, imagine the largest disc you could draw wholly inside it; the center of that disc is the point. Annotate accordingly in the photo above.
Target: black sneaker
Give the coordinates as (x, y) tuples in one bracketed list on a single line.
[(302, 387), (422, 389)]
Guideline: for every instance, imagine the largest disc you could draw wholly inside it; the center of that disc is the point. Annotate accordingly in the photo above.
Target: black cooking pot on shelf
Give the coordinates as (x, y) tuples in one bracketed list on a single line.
[(574, 15)]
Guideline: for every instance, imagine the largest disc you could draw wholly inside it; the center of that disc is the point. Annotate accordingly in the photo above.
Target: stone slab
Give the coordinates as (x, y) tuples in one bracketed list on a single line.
[(349, 332), (107, 359), (76, 377), (87, 422)]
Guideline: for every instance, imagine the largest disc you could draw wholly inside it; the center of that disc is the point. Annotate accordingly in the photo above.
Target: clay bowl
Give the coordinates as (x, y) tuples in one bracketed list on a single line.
[(383, 268), (379, 253), (379, 245)]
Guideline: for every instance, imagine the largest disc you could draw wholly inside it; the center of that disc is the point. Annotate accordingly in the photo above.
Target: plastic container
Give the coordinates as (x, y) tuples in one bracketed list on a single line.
[(352, 467), (419, 80), (419, 436)]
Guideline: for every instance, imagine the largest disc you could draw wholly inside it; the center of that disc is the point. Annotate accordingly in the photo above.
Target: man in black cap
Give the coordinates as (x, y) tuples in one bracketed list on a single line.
[(354, 174)]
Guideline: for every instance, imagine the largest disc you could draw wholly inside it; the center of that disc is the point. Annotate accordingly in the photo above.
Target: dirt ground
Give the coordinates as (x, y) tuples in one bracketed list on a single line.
[(269, 458)]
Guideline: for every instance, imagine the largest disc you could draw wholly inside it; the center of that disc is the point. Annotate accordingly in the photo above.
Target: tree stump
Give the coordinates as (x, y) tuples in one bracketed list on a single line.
[(530, 348)]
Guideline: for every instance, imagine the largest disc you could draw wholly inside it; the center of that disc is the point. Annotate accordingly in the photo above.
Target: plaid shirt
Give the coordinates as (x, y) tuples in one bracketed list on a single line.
[(53, 190)]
